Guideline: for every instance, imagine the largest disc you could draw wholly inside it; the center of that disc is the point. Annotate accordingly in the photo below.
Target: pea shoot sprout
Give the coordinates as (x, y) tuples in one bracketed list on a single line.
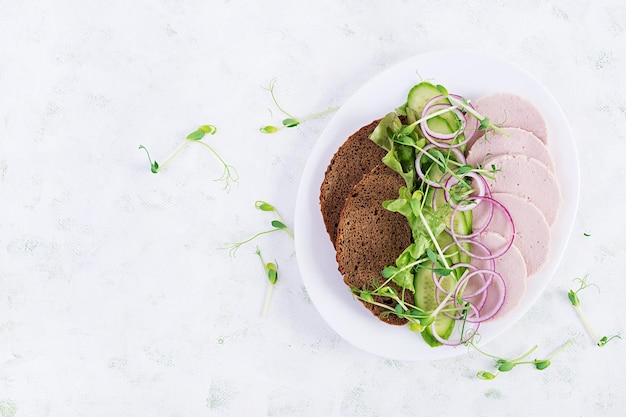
[(271, 272), (600, 341), (277, 225), (507, 365), (229, 175), (290, 121)]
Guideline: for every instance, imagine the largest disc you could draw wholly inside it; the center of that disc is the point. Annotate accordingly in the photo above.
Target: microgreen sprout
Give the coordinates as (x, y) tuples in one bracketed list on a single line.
[(267, 207), (507, 365), (484, 124), (271, 272), (488, 172), (229, 175), (572, 295), (277, 225), (290, 121)]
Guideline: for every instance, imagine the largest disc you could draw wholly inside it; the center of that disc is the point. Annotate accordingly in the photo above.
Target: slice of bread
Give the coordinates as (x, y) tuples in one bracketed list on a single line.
[(369, 237), (357, 156)]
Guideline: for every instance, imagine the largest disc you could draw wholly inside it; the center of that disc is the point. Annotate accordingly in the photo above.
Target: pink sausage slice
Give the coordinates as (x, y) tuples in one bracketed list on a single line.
[(512, 140), (526, 178), (512, 267), (532, 232), (510, 110)]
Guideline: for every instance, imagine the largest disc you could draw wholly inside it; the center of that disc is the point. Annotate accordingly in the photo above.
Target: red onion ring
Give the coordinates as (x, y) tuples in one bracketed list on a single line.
[(441, 102), (438, 135), (482, 228), (482, 246), (483, 189), (440, 291), (418, 169), (467, 119), (498, 280), (509, 241), (453, 267), (462, 284)]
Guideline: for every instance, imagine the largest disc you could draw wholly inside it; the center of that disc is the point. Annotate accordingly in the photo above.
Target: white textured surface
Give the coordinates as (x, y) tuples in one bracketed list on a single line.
[(115, 295)]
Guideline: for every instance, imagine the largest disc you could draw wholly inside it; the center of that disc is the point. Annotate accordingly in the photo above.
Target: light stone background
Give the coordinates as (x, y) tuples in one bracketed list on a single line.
[(116, 297)]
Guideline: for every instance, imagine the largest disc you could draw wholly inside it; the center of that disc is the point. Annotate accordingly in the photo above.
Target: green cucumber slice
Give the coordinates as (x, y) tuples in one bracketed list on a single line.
[(420, 94), (425, 300)]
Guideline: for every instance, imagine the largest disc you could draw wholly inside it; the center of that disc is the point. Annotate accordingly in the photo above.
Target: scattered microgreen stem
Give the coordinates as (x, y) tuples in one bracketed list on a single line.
[(277, 225), (267, 207), (271, 272), (229, 175), (291, 120), (507, 365), (600, 341)]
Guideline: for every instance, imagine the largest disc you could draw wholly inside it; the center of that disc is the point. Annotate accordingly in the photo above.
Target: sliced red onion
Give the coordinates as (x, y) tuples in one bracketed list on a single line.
[(508, 243), (440, 99), (483, 190), (478, 300), (438, 135), (437, 281), (486, 315), (483, 227), (418, 169), (488, 255), (434, 105), (462, 285), (442, 292), (469, 121)]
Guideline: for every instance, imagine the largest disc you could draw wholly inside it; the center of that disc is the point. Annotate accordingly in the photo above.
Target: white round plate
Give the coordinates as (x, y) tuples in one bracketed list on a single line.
[(472, 75)]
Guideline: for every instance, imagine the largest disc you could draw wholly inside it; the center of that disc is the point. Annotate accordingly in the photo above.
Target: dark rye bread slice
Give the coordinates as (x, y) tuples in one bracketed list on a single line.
[(357, 156), (369, 237)]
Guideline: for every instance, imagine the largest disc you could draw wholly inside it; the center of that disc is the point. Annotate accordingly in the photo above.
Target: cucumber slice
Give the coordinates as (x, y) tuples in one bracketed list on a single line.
[(464, 227), (425, 300), (417, 98), (444, 123), (454, 255), (420, 94)]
